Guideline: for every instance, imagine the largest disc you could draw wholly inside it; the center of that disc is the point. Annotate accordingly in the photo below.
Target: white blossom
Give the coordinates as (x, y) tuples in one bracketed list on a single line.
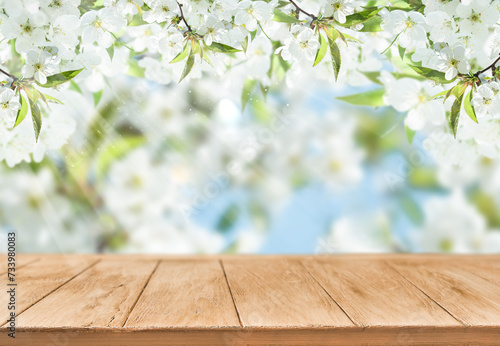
[(339, 9), (453, 61), (486, 102), (98, 26), (38, 65), (8, 105), (249, 13), (211, 30)]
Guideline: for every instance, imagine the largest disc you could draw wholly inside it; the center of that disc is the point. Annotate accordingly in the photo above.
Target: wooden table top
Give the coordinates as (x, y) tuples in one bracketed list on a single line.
[(254, 300)]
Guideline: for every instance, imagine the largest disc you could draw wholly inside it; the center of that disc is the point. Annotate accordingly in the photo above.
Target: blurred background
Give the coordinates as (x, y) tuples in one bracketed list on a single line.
[(182, 169)]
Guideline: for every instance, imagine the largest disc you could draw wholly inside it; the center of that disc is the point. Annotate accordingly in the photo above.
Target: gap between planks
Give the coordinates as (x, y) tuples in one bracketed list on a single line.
[(423, 292), (55, 289), (231, 293), (36, 259), (142, 291), (329, 295)]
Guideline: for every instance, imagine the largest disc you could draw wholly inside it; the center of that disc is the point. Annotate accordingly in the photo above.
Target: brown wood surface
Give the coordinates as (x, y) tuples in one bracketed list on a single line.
[(256, 300), (280, 293), (38, 279), (21, 260), (373, 294), (470, 298), (186, 293), (102, 296)]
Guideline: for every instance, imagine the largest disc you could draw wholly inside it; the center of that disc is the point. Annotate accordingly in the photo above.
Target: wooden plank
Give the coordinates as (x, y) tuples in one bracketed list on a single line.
[(21, 261), (469, 298), (186, 293), (373, 294), (102, 296), (40, 278), (280, 293), (487, 269), (344, 336), (186, 301)]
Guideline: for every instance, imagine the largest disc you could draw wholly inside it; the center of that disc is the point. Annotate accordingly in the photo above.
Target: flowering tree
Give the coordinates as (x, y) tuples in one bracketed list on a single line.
[(434, 60), (452, 44)]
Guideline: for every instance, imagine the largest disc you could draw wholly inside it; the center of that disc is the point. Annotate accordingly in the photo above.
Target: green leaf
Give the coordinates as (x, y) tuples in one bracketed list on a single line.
[(60, 78), (111, 51), (97, 97), (373, 76), (331, 33), (423, 178), (279, 66), (410, 134), (264, 90), (36, 116), (228, 219), (182, 55), (360, 17), (189, 65), (222, 48), (284, 18), (345, 37), (134, 69), (372, 25), (52, 99), (372, 98), (342, 37), (75, 87), (390, 45), (116, 150), (33, 94), (98, 129), (282, 3), (252, 35), (449, 93), (244, 44), (336, 58), (21, 114), (248, 87), (459, 89), (323, 47), (469, 108), (455, 115), (401, 51), (441, 94), (411, 208), (431, 74)]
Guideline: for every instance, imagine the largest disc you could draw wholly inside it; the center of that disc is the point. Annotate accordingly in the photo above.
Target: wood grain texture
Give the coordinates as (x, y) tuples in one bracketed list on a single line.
[(347, 300), (340, 336), (38, 279), (185, 293), (21, 261), (468, 297), (487, 269), (373, 294), (280, 293), (102, 296)]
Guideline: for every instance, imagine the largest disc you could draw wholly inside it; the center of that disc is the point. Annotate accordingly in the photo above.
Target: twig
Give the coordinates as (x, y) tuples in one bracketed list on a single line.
[(492, 66), (301, 10), (8, 74), (184, 19)]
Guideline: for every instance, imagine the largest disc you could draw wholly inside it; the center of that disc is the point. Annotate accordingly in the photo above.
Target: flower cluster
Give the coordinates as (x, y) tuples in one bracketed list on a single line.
[(453, 44), (434, 60), (49, 44)]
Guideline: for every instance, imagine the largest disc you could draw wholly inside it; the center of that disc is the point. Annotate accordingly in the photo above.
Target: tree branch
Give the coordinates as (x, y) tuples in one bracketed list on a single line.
[(183, 18), (8, 74), (301, 10), (492, 66)]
